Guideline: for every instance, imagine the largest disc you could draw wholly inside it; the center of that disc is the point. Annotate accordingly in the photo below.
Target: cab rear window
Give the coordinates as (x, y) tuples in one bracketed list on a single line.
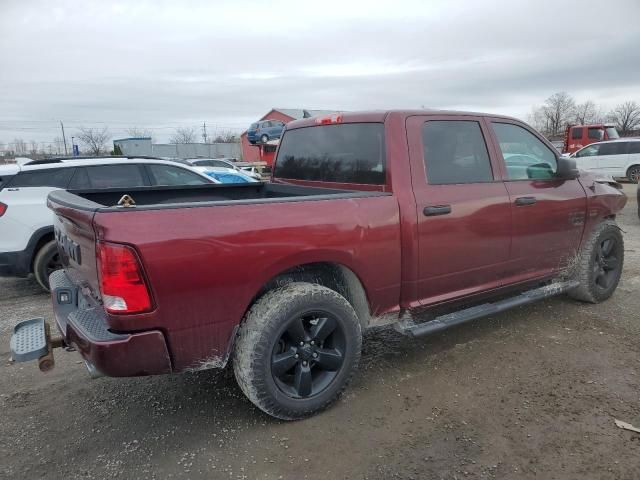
[(342, 153)]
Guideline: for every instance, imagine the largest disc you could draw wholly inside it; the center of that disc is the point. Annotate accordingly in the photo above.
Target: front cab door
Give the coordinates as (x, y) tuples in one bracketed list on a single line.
[(548, 212), (463, 211)]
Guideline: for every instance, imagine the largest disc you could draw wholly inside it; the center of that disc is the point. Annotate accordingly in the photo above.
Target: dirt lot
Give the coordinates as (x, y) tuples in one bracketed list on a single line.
[(531, 393)]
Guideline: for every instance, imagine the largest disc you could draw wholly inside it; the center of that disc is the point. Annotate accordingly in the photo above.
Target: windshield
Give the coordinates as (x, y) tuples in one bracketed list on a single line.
[(612, 132), (343, 153)]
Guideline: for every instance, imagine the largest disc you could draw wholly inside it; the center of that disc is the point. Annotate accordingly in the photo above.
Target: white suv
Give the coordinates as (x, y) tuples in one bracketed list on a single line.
[(26, 228), (618, 158)]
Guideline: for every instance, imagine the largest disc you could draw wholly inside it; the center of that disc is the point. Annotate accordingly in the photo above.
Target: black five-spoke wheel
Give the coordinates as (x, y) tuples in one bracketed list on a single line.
[(297, 349), (598, 268), (607, 262), (308, 355)]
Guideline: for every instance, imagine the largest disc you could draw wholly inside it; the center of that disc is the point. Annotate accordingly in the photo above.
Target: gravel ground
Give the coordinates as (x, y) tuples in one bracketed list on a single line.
[(531, 393)]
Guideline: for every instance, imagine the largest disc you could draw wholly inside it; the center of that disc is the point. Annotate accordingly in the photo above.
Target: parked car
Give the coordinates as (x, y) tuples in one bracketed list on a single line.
[(618, 158), (265, 130), (578, 136), (27, 243), (401, 218), (227, 165), (229, 177)]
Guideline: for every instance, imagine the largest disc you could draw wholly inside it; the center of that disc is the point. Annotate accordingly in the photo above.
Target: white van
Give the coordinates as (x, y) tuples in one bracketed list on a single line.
[(618, 158)]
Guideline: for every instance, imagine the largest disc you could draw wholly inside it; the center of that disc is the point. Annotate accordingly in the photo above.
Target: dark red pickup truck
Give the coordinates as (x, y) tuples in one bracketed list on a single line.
[(421, 219)]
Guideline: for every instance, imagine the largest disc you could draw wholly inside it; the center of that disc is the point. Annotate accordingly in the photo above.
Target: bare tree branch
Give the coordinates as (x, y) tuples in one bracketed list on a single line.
[(94, 139), (626, 116), (587, 113), (184, 135), (226, 137), (19, 146), (139, 132)]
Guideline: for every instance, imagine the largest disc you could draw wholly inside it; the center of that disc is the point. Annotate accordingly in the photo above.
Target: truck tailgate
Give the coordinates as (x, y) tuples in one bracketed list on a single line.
[(75, 235)]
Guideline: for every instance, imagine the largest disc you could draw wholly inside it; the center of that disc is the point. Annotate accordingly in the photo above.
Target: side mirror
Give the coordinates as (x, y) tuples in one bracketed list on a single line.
[(567, 169)]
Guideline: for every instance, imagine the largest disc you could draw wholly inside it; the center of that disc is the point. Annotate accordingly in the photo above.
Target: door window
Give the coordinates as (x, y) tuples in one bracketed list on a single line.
[(114, 176), (168, 175), (634, 147), (51, 177), (613, 148), (596, 133), (525, 155), (455, 152), (80, 180), (590, 151), (576, 134)]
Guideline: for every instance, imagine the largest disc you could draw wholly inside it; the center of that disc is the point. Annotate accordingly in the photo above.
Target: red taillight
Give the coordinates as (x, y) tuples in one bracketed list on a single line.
[(329, 119), (3, 208), (122, 283)]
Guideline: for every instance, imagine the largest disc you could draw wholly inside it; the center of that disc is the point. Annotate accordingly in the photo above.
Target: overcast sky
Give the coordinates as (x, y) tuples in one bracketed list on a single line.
[(161, 64)]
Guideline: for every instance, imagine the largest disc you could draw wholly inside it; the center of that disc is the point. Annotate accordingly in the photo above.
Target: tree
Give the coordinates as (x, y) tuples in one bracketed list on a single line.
[(184, 135), (116, 150), (226, 137), (33, 147), (558, 110), (94, 139), (626, 116), (587, 113), (19, 146), (139, 132)]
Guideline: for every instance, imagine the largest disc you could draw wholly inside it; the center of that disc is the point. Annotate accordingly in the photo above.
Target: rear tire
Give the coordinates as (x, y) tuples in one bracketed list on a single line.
[(633, 174), (46, 261), (598, 268), (297, 350)]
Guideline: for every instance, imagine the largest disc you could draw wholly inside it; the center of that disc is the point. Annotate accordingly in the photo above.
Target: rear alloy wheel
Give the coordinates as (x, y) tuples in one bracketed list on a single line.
[(308, 355), (633, 174), (297, 350), (599, 266), (46, 262)]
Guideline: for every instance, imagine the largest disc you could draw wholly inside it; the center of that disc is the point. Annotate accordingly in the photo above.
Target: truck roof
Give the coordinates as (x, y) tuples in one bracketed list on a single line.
[(381, 115)]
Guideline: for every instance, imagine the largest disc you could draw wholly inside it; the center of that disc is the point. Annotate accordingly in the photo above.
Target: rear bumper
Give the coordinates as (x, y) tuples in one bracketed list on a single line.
[(83, 325), (15, 264)]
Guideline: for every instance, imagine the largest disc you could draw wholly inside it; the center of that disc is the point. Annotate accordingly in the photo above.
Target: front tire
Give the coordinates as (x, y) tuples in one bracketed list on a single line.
[(297, 350), (46, 262), (264, 138), (598, 268), (633, 174)]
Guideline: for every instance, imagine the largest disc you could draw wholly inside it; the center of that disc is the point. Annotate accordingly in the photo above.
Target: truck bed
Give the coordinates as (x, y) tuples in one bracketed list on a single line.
[(199, 195)]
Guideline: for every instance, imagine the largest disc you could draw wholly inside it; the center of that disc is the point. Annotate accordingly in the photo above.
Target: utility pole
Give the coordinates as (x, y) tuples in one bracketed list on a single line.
[(204, 132), (64, 139)]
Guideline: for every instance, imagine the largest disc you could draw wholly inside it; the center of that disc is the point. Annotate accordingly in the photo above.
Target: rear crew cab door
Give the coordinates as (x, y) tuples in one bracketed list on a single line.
[(463, 211), (548, 213), (26, 198), (613, 159)]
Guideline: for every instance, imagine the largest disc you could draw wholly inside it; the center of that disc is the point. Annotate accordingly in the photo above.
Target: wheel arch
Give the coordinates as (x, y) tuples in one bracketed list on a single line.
[(333, 275), (40, 238)]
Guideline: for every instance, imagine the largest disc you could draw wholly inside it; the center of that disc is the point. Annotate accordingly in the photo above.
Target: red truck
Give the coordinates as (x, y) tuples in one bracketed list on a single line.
[(578, 136), (423, 220)]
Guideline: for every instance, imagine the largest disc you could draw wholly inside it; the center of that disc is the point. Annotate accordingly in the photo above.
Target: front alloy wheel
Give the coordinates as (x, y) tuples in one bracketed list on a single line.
[(607, 263)]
